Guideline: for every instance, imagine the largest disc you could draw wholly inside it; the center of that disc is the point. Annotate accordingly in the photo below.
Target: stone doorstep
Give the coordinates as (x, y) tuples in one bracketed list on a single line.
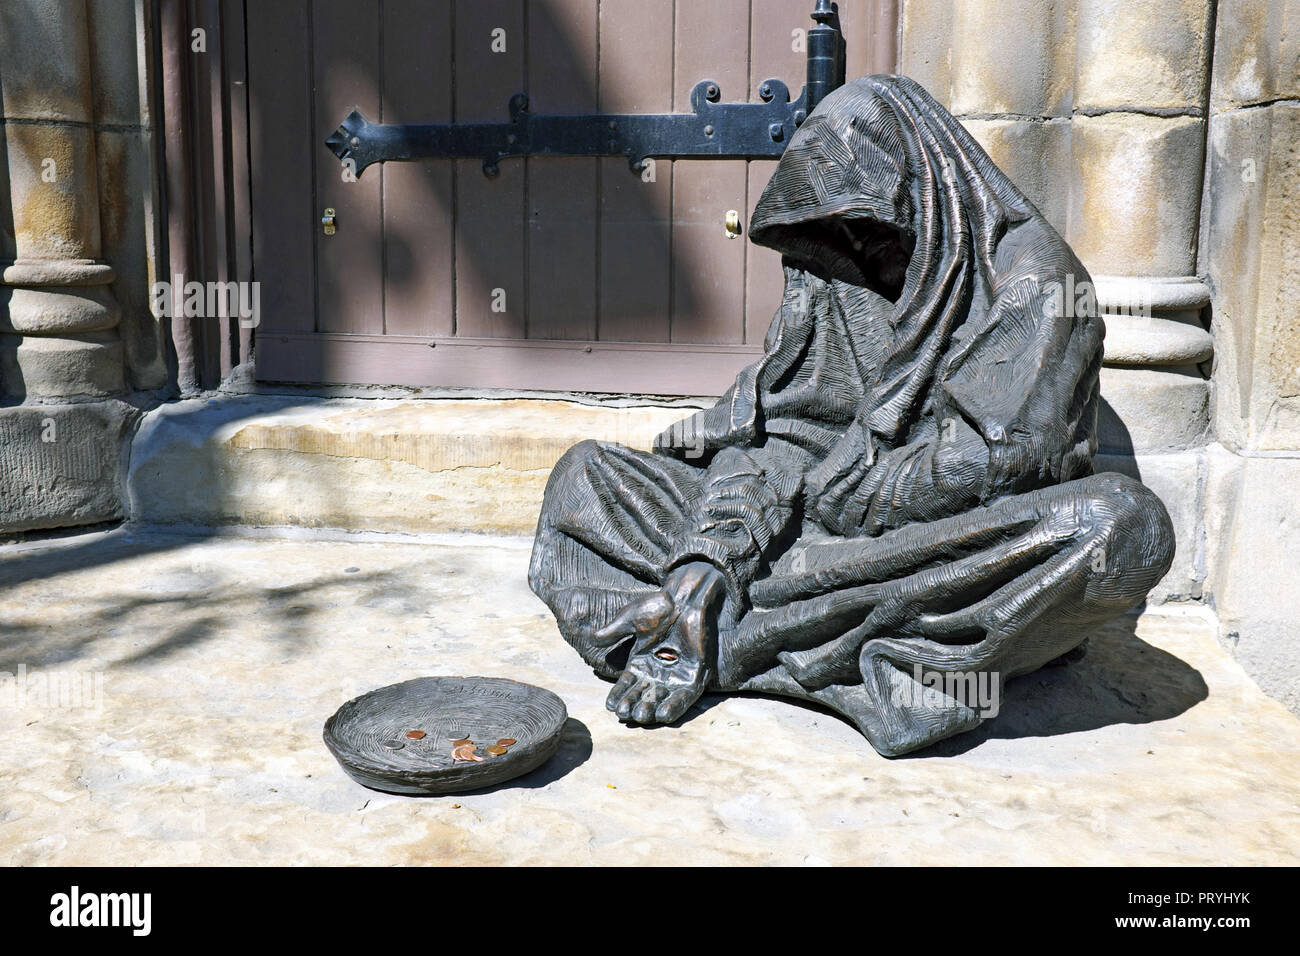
[(436, 465), (424, 465)]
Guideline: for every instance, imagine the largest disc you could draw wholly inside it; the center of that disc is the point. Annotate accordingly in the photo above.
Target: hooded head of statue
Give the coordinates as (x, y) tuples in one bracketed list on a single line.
[(840, 204), (878, 168)]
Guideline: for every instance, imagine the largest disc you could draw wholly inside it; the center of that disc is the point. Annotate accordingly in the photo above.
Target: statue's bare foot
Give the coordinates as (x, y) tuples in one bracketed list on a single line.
[(675, 654)]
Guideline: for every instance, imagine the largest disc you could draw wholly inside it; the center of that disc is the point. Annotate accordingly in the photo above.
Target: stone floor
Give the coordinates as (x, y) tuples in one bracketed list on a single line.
[(208, 665)]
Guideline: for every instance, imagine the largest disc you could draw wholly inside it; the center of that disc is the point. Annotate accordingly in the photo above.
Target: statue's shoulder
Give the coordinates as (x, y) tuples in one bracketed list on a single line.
[(1032, 257)]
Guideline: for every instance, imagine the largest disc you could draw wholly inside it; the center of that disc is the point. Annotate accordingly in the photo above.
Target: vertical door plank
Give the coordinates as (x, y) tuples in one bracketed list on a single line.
[(871, 32), (709, 268), (764, 277), (350, 263), (858, 25), (283, 154), (562, 248), (562, 191), (636, 252), (636, 76), (418, 197), (774, 53), (490, 257), (772, 45)]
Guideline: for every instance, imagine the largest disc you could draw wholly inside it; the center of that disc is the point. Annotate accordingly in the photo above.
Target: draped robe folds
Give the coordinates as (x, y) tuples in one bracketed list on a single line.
[(895, 488)]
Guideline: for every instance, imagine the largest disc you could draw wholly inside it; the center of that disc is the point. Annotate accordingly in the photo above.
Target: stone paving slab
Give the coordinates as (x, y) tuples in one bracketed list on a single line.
[(212, 663)]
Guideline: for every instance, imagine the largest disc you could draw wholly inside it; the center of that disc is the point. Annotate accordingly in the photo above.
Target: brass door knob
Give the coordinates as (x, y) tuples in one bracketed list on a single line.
[(327, 221), (732, 226)]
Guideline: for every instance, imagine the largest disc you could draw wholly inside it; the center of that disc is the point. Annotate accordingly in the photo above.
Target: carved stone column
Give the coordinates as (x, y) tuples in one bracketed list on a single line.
[(58, 317), (75, 187)]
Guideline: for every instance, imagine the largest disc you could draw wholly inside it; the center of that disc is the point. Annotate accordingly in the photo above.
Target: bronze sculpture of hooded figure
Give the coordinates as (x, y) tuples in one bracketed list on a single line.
[(900, 487)]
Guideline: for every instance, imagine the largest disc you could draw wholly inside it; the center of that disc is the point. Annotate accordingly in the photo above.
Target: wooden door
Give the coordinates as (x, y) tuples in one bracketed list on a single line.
[(561, 273)]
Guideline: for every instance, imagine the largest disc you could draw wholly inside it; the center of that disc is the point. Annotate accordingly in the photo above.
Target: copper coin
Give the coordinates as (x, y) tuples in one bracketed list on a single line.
[(461, 741), (507, 741), (415, 734), (497, 750), (465, 753)]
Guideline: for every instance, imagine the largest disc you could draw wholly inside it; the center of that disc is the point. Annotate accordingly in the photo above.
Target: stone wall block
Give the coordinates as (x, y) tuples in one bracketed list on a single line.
[(1148, 410), (53, 186), (44, 60), (1036, 155), (1223, 479), (1250, 247), (1256, 53), (1276, 398), (1135, 191), (115, 39), (1251, 513), (62, 464), (925, 50), (1152, 54), (1233, 205), (1013, 57)]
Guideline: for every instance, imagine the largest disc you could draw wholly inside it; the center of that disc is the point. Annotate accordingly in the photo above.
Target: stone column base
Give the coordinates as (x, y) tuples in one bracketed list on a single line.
[(69, 366)]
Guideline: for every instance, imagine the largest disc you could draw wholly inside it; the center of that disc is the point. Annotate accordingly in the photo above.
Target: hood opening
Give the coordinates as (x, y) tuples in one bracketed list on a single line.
[(856, 250)]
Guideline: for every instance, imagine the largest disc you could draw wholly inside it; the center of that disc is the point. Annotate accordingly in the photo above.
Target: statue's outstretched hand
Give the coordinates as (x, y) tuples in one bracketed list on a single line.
[(675, 651)]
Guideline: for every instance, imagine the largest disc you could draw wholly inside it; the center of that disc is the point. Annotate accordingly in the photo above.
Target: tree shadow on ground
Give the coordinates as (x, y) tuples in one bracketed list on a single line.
[(202, 598)]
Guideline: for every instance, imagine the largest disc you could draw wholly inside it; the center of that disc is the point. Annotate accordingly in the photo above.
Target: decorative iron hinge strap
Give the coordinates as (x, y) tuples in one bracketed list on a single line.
[(714, 129)]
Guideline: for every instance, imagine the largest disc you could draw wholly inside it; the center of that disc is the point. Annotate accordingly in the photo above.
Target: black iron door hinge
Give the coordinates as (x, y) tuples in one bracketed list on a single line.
[(714, 129)]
